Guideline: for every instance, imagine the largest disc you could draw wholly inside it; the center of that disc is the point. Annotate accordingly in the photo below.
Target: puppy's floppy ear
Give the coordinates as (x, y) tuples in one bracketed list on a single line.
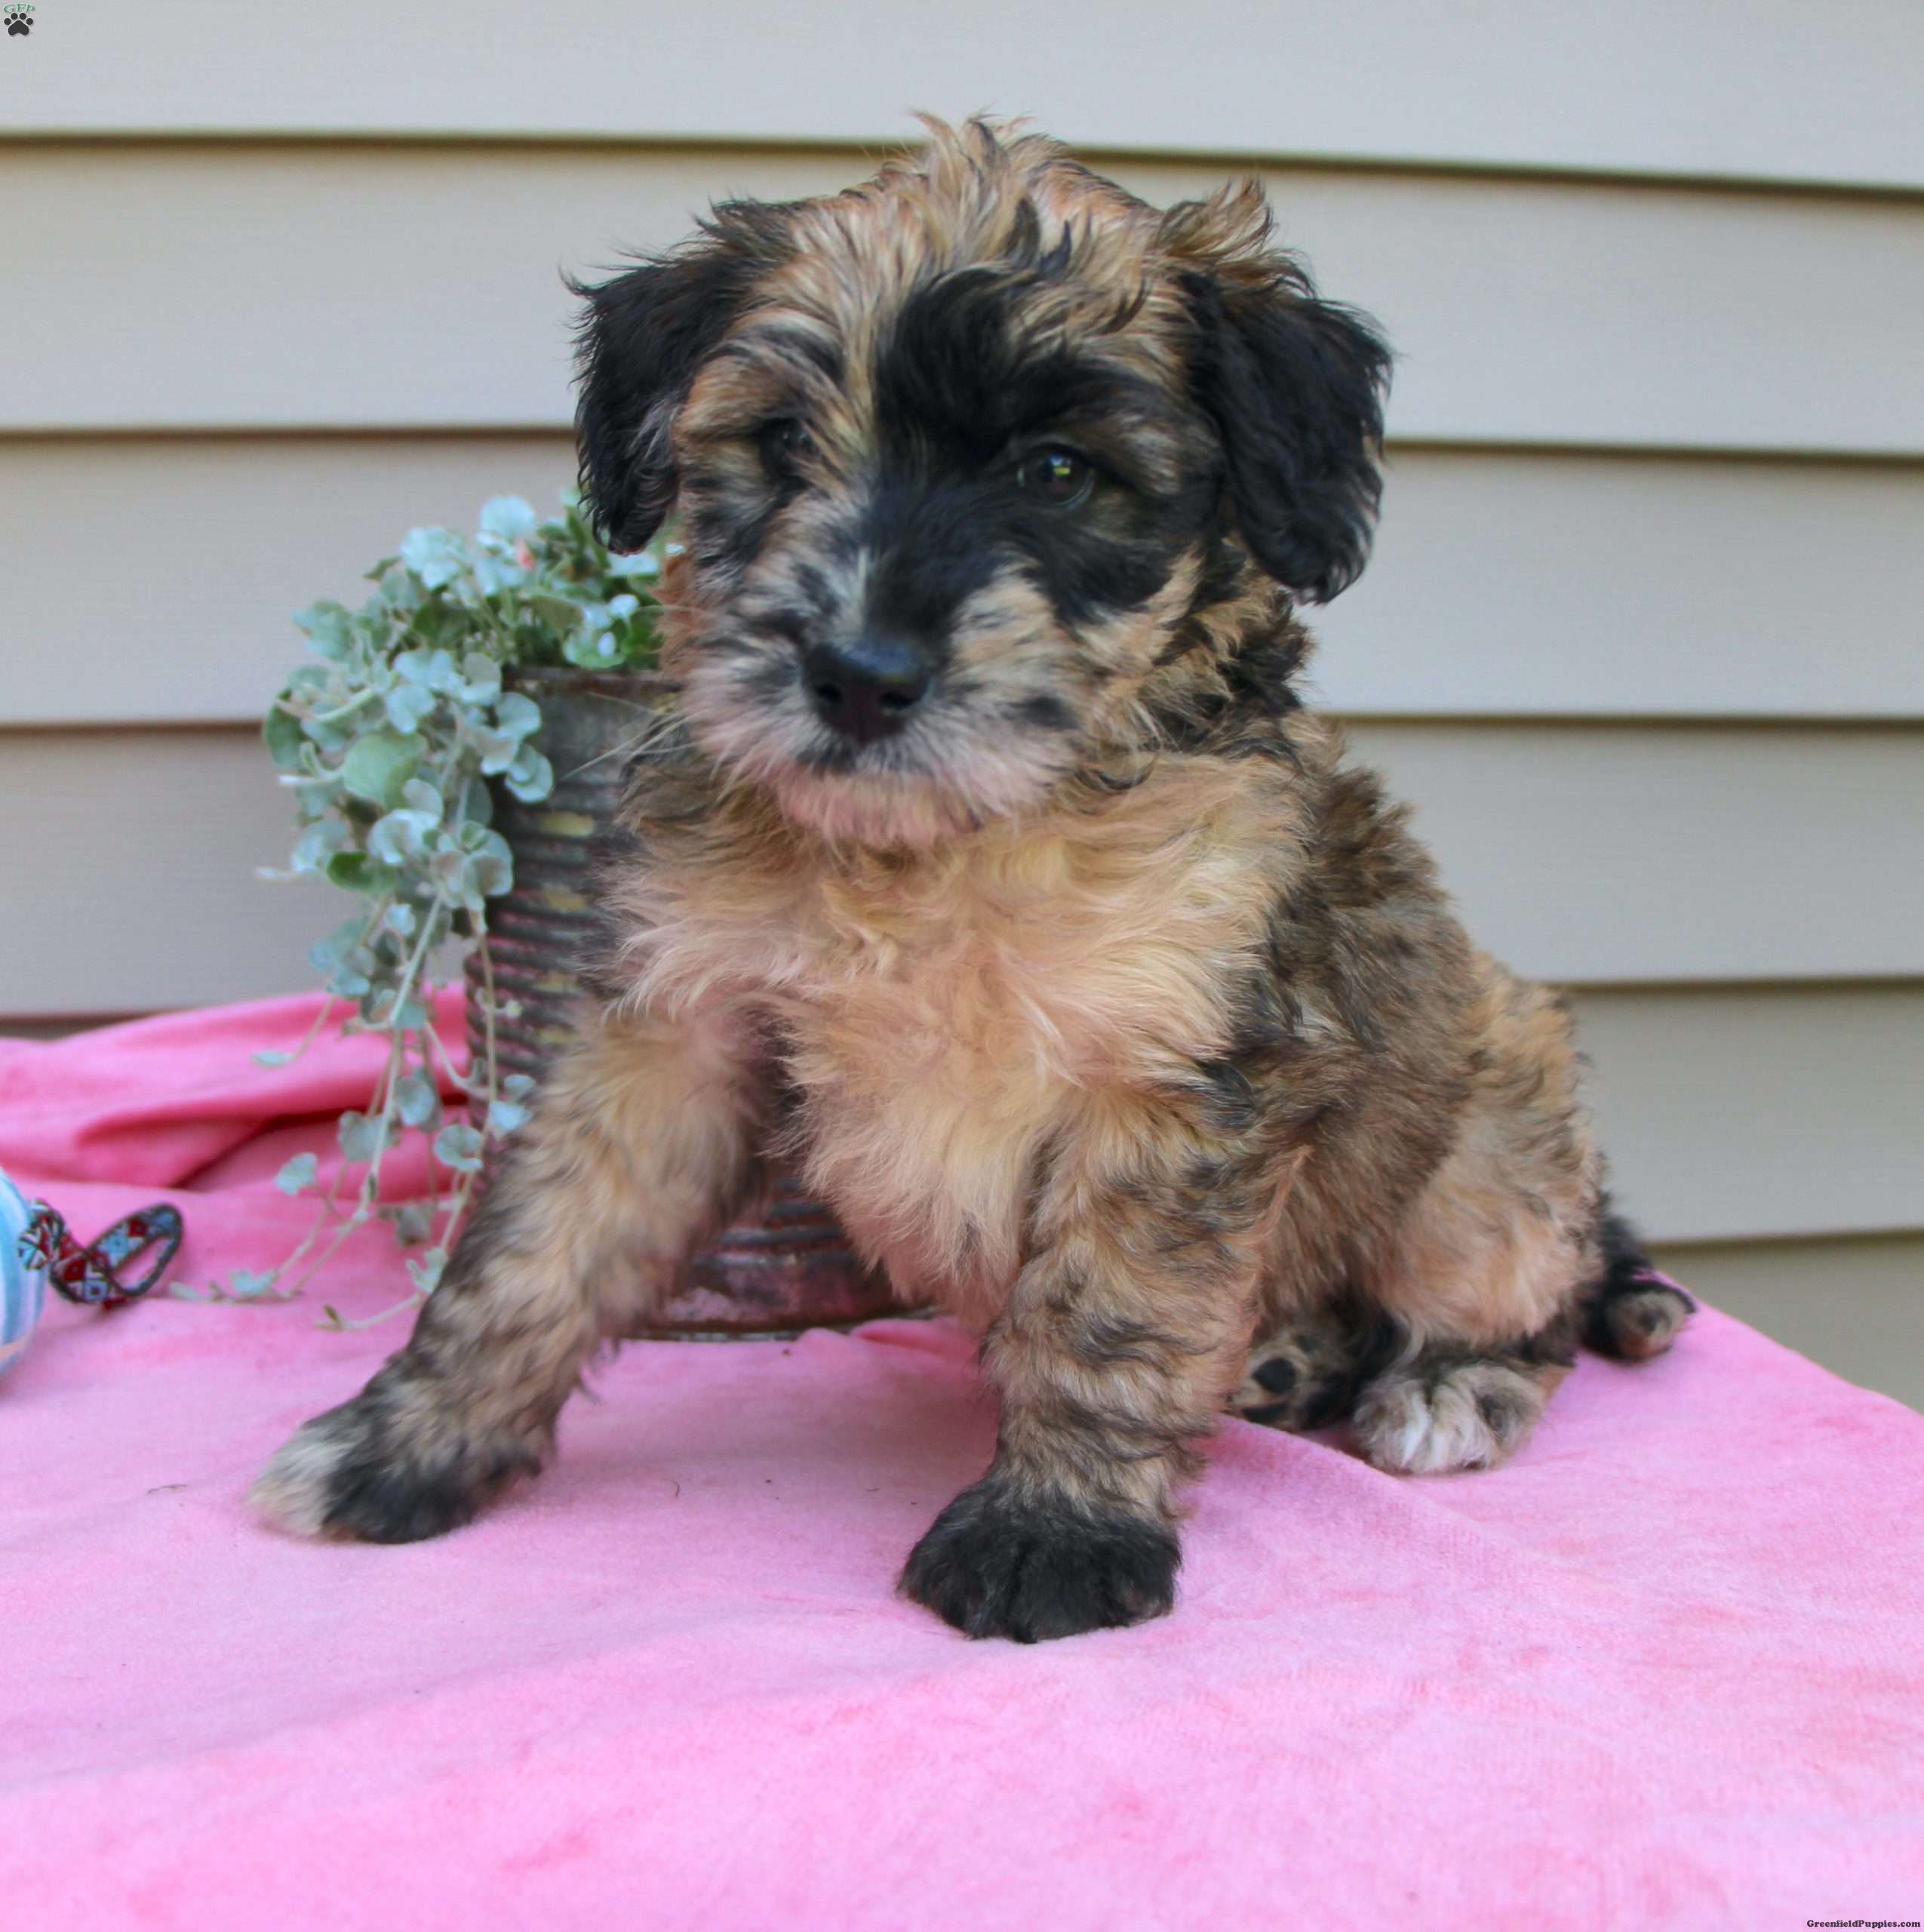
[(641, 338), (1295, 385)]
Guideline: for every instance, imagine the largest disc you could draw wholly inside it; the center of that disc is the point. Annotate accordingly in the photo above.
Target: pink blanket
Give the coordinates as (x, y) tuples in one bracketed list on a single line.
[(1667, 1669)]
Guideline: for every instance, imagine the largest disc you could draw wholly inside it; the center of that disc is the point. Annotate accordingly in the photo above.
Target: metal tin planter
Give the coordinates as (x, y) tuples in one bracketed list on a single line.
[(792, 1269)]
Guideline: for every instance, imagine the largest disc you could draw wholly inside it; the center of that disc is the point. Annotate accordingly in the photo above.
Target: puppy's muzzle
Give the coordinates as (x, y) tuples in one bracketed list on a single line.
[(868, 689)]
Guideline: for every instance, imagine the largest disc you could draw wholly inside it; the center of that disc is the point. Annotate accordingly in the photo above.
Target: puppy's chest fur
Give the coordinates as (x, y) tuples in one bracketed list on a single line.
[(946, 1018)]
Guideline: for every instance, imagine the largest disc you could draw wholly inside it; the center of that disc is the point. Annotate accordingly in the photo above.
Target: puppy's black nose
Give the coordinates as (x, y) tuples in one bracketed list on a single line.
[(866, 690)]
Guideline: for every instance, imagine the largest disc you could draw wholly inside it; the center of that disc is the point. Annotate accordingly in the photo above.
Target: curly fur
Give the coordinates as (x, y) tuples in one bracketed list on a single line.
[(1110, 1005)]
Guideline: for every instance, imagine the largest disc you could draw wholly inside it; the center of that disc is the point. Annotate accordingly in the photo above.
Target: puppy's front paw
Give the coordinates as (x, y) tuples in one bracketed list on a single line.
[(395, 1465), (994, 1564)]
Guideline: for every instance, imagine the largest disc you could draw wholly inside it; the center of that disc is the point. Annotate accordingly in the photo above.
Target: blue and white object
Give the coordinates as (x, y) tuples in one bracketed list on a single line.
[(22, 1286)]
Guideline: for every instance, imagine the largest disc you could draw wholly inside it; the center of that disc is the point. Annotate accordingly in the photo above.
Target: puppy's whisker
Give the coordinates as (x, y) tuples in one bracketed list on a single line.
[(658, 726)]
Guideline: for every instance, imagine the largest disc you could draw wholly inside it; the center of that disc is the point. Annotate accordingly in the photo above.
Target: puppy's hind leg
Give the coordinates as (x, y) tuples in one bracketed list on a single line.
[(1306, 1371), (1446, 1406), (642, 1141), (1507, 1258), (1460, 1399), (1630, 1312)]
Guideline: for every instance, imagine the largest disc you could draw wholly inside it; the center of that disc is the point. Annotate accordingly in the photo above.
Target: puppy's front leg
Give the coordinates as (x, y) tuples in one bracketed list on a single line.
[(642, 1141), (1112, 1357)]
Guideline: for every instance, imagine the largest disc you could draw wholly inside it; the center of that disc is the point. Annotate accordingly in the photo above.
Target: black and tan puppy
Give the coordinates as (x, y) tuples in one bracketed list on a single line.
[(992, 870)]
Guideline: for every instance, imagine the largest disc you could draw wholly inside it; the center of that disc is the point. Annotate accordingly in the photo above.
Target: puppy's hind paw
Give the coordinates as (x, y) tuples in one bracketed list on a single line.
[(1469, 1415), (1639, 1320), (387, 1467)]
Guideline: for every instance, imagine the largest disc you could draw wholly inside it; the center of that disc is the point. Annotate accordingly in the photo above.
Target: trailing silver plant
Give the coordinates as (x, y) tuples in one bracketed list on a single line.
[(389, 743)]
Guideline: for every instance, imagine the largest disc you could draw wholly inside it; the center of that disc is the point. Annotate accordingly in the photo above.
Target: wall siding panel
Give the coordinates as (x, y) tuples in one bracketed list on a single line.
[(1762, 89), (413, 287), (155, 579), (138, 850), (1722, 1106), (1641, 641), (1504, 584), (1656, 852)]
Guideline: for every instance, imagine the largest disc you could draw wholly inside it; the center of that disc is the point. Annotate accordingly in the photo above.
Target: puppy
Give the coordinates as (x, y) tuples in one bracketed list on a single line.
[(992, 871)]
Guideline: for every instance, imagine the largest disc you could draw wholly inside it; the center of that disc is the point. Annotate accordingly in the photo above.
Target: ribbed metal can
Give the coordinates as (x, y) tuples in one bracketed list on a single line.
[(792, 1267)]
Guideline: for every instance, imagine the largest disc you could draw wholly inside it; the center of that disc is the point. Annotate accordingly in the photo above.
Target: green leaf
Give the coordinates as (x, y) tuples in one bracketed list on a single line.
[(509, 518), (379, 763), (317, 681), (399, 591), (273, 1056), (399, 837), (530, 776), (416, 1096), (503, 1117), (281, 729), (413, 1221), (591, 650), (478, 803), (328, 735), (344, 961), (408, 705), (361, 1136), (437, 557), (326, 624), (409, 1016), (518, 714), (432, 669), (314, 849), (340, 945), (298, 1174), (489, 870), (315, 797), (355, 871), (426, 1272), (495, 574), (558, 614), (498, 750), (458, 1146), (480, 678), (250, 1284)]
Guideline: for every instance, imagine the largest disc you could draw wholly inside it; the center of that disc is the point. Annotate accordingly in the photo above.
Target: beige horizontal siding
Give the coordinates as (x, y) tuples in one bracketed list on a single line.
[(1504, 584), (194, 553), (1734, 1111), (1657, 458), (1581, 854), (1623, 586), (1856, 1306), (252, 287), (1764, 88), (138, 850), (1656, 852)]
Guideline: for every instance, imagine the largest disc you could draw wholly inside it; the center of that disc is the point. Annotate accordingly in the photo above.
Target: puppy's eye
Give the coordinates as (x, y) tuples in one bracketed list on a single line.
[(786, 446), (1059, 478)]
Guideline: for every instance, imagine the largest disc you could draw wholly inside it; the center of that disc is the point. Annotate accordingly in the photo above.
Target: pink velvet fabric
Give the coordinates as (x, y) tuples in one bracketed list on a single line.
[(1665, 1670)]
